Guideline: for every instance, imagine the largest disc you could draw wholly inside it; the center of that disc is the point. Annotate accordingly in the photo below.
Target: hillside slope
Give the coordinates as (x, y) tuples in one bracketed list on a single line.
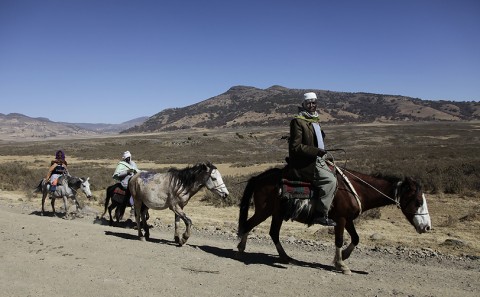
[(250, 106)]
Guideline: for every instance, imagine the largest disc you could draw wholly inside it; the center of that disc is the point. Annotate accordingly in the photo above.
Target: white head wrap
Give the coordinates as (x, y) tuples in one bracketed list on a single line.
[(309, 96), (126, 155)]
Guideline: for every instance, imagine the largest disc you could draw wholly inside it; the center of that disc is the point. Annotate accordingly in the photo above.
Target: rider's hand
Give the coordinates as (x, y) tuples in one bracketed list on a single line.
[(321, 152)]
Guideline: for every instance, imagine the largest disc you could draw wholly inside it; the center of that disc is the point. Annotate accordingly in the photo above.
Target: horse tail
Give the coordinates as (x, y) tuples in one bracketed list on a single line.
[(107, 199), (39, 187), (245, 204)]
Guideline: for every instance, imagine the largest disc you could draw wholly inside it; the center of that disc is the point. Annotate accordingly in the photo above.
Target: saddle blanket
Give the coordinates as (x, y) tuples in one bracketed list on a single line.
[(119, 191), (296, 189)]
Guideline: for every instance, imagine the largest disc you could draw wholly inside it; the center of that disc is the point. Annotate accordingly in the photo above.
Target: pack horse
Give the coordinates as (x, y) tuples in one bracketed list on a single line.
[(173, 190)]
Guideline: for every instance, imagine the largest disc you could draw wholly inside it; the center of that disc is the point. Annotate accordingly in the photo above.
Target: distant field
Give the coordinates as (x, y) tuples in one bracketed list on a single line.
[(445, 157)]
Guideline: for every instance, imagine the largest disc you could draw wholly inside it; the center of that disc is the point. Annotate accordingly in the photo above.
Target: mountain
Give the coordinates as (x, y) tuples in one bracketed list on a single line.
[(111, 128), (19, 126), (274, 106)]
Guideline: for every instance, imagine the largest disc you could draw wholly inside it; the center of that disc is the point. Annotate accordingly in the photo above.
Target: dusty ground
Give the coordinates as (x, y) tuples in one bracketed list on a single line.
[(50, 256)]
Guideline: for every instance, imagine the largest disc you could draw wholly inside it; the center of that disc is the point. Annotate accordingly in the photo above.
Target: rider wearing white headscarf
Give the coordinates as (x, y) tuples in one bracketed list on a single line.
[(307, 157), (125, 169)]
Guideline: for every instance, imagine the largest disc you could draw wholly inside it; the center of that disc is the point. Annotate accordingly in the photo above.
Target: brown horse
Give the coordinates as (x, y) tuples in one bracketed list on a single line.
[(362, 192)]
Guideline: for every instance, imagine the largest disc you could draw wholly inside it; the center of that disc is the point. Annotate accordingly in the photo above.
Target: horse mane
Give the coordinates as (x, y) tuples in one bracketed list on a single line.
[(388, 177), (269, 172), (187, 176)]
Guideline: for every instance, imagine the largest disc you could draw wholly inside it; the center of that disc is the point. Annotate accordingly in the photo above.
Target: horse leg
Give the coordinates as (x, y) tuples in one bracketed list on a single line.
[(77, 205), (53, 205), (78, 208), (44, 195), (138, 208), (120, 211), (338, 260), (260, 215), (65, 205), (350, 227), (274, 233), (176, 234), (107, 200), (110, 208), (188, 224), (144, 212)]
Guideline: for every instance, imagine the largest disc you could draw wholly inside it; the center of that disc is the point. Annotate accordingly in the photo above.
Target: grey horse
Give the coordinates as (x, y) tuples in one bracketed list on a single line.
[(172, 190), (67, 187)]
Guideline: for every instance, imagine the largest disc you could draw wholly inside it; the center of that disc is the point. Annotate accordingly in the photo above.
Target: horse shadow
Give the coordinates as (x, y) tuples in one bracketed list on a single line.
[(135, 237), (48, 214), (254, 258), (127, 224)]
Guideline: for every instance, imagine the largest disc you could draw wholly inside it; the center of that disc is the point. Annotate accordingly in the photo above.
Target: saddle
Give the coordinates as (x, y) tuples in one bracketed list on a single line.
[(296, 189), (119, 194), (55, 183)]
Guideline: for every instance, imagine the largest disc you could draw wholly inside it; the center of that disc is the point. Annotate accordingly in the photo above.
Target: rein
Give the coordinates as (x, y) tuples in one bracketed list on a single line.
[(397, 196)]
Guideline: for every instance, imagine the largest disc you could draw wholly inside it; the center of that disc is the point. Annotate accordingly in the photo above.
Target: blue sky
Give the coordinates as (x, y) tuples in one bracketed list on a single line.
[(109, 61)]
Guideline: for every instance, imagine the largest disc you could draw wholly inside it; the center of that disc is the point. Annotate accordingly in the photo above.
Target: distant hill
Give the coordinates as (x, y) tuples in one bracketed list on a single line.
[(19, 126), (111, 128), (249, 106)]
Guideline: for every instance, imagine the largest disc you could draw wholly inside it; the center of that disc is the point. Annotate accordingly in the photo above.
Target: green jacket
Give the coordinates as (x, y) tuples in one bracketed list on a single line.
[(123, 169), (302, 150)]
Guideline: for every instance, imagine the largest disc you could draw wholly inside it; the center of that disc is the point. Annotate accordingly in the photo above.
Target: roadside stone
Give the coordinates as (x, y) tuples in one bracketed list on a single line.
[(377, 236)]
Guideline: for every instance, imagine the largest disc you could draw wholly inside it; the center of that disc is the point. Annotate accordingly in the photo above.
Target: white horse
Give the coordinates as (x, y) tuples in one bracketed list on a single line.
[(172, 189), (67, 188)]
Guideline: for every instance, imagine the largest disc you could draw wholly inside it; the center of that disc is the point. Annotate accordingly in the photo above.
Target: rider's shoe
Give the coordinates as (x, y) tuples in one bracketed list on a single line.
[(325, 221)]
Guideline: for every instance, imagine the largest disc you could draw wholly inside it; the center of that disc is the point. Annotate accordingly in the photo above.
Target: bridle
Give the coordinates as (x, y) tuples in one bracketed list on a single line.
[(214, 179)]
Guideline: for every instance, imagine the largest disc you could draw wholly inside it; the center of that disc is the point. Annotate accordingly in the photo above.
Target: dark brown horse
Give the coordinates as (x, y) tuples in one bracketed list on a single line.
[(120, 201), (368, 192)]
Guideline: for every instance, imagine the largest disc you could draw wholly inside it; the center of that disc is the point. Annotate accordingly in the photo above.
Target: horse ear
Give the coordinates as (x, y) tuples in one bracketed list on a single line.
[(88, 178), (210, 164)]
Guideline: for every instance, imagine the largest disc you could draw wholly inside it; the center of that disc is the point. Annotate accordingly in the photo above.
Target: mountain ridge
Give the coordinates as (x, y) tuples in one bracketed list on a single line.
[(242, 106), (20, 126), (247, 106)]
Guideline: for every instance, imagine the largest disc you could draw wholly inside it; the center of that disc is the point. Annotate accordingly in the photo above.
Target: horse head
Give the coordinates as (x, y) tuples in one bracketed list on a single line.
[(413, 203), (214, 181), (80, 183), (85, 187)]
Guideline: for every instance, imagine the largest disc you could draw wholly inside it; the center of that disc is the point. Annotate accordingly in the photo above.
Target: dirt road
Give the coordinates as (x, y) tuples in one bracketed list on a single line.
[(50, 256)]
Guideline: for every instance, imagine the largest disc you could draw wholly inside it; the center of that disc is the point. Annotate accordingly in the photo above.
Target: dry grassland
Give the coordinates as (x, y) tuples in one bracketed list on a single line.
[(445, 157)]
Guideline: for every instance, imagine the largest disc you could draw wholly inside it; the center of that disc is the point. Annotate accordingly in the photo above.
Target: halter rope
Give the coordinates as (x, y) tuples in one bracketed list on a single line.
[(397, 197), (210, 176)]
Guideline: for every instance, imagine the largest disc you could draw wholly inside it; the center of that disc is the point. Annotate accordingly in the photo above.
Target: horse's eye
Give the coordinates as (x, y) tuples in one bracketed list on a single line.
[(214, 178)]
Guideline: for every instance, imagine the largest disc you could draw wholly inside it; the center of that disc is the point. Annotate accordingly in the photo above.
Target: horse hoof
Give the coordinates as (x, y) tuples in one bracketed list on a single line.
[(345, 270), (142, 239), (176, 239)]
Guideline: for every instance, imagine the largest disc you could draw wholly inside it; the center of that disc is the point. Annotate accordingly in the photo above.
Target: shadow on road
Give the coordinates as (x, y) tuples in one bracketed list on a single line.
[(264, 259)]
